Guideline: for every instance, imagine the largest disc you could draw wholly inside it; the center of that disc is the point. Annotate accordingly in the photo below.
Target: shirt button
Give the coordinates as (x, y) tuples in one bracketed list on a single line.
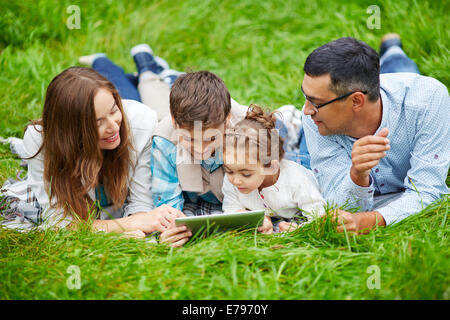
[(159, 198), (376, 170), (382, 185)]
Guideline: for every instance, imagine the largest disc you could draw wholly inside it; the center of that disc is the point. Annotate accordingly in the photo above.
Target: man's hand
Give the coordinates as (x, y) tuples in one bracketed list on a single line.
[(366, 154), (360, 223), (267, 226)]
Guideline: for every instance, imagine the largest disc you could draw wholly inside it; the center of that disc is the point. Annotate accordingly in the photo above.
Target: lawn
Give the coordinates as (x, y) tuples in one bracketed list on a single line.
[(258, 48)]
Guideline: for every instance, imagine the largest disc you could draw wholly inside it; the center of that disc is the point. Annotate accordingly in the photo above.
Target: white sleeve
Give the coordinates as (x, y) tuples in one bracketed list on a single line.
[(143, 121), (307, 195), (139, 191), (231, 201), (35, 179)]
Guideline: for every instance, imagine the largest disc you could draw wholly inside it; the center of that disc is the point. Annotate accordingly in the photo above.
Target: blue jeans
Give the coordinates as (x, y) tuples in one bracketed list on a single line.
[(126, 84), (396, 60), (393, 60)]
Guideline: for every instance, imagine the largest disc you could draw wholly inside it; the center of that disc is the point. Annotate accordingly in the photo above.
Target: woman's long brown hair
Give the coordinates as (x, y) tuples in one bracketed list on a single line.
[(73, 161)]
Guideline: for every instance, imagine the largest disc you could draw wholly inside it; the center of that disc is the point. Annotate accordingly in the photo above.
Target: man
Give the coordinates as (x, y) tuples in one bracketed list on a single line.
[(379, 143)]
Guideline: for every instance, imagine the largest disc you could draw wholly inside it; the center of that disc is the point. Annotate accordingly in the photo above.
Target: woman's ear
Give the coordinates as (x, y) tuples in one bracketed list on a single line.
[(273, 168)]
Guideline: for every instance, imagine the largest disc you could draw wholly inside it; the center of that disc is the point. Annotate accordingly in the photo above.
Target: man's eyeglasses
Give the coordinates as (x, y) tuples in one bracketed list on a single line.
[(317, 106)]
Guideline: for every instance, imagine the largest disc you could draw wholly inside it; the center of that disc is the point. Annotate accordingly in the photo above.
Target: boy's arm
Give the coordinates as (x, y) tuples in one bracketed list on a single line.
[(166, 187)]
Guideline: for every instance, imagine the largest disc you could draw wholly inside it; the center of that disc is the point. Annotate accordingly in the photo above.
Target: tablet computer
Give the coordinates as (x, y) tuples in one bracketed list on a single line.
[(225, 221)]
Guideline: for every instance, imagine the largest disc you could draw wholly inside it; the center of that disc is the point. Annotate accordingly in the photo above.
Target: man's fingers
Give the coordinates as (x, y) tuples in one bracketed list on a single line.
[(366, 166), (370, 148), (368, 157), (383, 132), (339, 216), (349, 231), (367, 140)]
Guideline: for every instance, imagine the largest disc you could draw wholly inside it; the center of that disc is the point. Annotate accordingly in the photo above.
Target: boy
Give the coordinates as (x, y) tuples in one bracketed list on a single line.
[(187, 171)]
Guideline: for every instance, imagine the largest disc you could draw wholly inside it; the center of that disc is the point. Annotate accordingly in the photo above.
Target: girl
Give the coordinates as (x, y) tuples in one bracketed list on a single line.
[(92, 148), (257, 176)]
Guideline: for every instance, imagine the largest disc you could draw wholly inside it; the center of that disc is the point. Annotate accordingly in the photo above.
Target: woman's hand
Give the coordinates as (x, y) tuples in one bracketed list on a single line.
[(267, 226), (138, 234), (159, 219), (176, 236)]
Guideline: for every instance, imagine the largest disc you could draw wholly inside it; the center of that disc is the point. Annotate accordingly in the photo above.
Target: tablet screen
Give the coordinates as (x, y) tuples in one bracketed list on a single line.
[(225, 221)]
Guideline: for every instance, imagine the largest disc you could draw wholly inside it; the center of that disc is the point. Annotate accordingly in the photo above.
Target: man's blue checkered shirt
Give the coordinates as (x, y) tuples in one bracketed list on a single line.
[(416, 110)]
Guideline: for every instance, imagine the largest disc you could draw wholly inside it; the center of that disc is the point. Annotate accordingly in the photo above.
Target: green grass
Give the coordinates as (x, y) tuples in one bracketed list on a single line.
[(258, 48)]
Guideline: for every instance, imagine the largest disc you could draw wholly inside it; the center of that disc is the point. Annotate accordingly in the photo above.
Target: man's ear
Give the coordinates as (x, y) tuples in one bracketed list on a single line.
[(358, 101), (273, 169)]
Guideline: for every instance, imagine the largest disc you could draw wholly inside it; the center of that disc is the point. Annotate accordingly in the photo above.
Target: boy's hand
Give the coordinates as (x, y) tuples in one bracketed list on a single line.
[(287, 226), (267, 226), (176, 236)]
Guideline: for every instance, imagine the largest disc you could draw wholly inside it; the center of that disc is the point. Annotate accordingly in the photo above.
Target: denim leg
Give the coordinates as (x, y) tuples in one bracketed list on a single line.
[(304, 153), (282, 131), (302, 156), (396, 60), (115, 74), (133, 79)]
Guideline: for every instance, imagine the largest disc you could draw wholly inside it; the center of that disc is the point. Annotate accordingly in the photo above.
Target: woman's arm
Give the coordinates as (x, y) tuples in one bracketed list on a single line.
[(159, 219)]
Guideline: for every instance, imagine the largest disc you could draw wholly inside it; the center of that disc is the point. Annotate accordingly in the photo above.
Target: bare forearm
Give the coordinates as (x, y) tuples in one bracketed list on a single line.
[(117, 225)]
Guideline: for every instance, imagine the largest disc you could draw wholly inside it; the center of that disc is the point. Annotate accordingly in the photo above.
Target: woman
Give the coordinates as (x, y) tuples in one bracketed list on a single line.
[(91, 148)]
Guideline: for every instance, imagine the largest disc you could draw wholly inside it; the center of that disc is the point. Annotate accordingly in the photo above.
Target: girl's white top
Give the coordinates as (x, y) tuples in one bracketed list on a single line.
[(296, 188), (142, 121)]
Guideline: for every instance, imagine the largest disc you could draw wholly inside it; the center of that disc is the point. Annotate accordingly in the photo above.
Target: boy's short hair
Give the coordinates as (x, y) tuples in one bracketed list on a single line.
[(199, 96)]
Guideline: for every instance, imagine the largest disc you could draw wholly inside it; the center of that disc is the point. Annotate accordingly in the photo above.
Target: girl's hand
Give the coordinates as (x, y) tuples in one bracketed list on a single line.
[(267, 226), (287, 226), (176, 236)]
